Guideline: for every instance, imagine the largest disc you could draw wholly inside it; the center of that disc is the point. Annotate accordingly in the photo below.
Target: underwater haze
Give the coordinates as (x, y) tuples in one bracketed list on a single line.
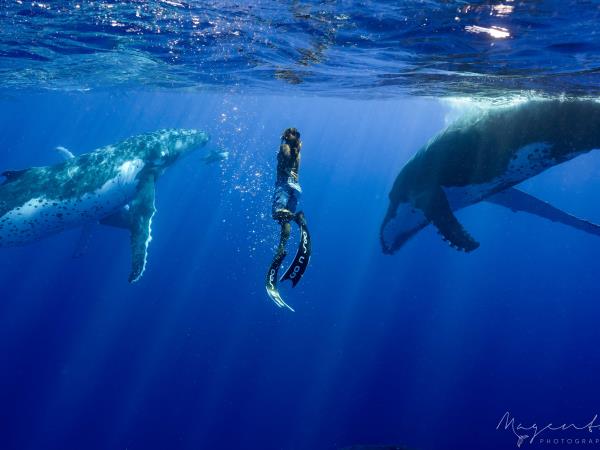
[(426, 349)]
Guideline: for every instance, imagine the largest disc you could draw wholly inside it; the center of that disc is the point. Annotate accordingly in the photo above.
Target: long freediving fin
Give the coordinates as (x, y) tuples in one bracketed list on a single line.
[(302, 258), (271, 282), (517, 200), (437, 210)]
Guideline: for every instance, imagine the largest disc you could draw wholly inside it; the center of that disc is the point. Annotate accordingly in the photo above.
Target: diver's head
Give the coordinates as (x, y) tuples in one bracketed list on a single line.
[(291, 137)]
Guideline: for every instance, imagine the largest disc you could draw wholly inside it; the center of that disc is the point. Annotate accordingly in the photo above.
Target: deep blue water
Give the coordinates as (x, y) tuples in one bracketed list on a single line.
[(427, 348)]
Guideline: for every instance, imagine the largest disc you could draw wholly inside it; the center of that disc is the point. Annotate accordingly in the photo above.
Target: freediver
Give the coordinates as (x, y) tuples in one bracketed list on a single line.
[(285, 202)]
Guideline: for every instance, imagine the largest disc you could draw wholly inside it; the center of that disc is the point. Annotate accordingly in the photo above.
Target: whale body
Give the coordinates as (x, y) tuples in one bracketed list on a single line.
[(113, 185), (483, 158)]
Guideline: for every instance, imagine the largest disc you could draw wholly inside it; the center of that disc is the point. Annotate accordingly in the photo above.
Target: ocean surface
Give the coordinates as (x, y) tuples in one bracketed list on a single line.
[(428, 348)]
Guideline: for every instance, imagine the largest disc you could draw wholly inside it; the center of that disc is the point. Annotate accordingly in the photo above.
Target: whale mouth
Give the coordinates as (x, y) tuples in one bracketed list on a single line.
[(399, 225)]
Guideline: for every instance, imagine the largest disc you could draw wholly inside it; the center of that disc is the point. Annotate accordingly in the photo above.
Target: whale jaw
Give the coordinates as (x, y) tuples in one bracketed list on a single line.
[(401, 223)]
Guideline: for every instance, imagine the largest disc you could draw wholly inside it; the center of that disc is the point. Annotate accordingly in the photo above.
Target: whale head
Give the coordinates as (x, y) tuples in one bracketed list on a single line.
[(401, 222), (164, 147)]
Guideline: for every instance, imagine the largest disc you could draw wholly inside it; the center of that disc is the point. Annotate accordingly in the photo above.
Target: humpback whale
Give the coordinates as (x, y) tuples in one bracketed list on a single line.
[(483, 158), (113, 185)]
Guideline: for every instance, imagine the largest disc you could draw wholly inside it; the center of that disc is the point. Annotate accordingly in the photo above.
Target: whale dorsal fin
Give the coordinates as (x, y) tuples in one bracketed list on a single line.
[(12, 175), (437, 210), (517, 200), (64, 152)]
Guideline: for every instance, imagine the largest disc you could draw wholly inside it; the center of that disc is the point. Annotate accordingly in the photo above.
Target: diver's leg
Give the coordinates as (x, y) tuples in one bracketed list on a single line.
[(283, 238), (283, 216), (284, 205), (271, 278), (300, 219), (280, 209)]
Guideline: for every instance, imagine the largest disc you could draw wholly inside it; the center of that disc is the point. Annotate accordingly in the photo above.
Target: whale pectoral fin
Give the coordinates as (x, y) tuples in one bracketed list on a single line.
[(137, 218), (141, 210), (517, 200), (437, 210)]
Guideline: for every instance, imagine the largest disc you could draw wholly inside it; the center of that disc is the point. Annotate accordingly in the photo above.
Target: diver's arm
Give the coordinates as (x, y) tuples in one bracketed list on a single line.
[(284, 161), (294, 173), (285, 150)]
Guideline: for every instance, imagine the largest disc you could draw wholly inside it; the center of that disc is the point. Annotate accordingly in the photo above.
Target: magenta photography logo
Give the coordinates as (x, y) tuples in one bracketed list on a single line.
[(584, 434)]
